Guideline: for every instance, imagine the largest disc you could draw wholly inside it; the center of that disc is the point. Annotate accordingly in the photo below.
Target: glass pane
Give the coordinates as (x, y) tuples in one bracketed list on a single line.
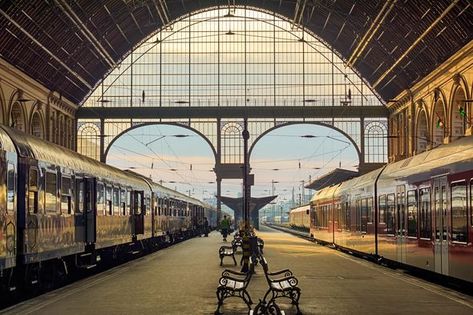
[(382, 209), (100, 199), (80, 196), (33, 183), (459, 212), (390, 214), (11, 183), (412, 213), (425, 215), (51, 197)]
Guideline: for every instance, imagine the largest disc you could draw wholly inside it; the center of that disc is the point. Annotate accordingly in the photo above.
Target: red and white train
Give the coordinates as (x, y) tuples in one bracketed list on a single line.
[(417, 212)]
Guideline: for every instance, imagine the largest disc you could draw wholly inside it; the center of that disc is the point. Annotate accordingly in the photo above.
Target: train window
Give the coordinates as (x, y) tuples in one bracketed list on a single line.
[(382, 209), (364, 215), (459, 212), (146, 206), (138, 203), (358, 215), (33, 191), (370, 210), (123, 201), (11, 183), (412, 213), (108, 200), (66, 192), (348, 216), (100, 199), (50, 190), (80, 195), (425, 214), (116, 201), (128, 202), (390, 208)]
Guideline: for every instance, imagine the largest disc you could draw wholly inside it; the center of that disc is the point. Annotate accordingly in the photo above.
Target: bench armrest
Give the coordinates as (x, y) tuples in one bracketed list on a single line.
[(292, 281), (228, 272), (286, 272), (226, 279)]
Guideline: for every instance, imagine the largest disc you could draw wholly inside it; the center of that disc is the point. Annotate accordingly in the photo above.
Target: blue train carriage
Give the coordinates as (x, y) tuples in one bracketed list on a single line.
[(425, 210), (8, 206)]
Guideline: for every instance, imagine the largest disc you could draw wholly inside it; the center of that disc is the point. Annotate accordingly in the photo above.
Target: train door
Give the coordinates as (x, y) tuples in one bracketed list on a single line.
[(138, 213), (401, 224), (441, 224), (89, 209), (85, 210)]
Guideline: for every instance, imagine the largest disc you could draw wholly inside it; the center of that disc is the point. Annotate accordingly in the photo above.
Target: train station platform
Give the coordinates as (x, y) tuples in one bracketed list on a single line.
[(182, 279)]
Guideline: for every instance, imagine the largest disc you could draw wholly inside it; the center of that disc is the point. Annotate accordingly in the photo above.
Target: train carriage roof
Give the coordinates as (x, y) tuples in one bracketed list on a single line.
[(361, 182), (453, 157), (6, 143), (325, 193), (302, 208), (166, 192), (34, 147)]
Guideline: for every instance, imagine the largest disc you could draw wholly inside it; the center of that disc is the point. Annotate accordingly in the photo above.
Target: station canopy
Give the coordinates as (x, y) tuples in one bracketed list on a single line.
[(71, 46), (335, 177)]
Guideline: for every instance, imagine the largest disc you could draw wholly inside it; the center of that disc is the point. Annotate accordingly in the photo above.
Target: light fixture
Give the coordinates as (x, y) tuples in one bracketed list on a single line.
[(310, 101), (181, 102), (229, 33), (103, 101)]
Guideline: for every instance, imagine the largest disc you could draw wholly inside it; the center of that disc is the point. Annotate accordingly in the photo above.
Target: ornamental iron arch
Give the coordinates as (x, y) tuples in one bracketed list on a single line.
[(136, 126), (355, 145)]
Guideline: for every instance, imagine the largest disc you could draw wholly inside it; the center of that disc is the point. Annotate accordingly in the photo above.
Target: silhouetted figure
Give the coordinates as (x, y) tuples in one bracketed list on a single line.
[(224, 227), (206, 227)]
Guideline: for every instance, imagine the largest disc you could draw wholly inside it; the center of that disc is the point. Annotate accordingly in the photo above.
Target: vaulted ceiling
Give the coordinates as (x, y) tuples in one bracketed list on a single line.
[(69, 46)]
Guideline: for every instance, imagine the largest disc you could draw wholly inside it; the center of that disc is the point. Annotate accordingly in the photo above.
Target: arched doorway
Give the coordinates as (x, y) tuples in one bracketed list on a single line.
[(438, 123), (37, 127), (17, 117), (422, 135), (459, 113)]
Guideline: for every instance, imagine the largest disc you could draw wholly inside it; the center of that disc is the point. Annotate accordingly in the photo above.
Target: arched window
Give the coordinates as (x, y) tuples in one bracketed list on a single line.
[(438, 130), (422, 135), (37, 128), (232, 143), (375, 142), (459, 114), (17, 117), (88, 140)]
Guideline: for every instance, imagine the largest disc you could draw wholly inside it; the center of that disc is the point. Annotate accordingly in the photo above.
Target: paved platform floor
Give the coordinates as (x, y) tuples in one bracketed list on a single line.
[(182, 279)]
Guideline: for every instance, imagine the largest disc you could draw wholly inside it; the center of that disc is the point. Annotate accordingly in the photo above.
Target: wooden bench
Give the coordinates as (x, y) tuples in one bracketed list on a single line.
[(281, 284), (234, 284), (227, 251)]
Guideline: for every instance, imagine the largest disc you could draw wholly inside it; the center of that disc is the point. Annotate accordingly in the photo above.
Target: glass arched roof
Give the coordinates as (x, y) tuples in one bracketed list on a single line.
[(240, 57)]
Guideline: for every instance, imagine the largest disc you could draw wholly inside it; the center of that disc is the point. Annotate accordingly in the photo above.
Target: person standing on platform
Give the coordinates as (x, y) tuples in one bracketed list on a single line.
[(224, 227), (206, 227)]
